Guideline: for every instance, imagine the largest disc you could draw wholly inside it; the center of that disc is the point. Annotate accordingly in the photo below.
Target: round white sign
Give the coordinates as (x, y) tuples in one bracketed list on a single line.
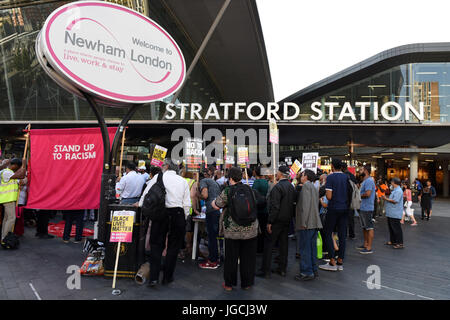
[(113, 52)]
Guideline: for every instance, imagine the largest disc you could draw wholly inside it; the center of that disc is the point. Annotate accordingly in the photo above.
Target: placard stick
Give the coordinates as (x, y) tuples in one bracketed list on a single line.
[(246, 175), (274, 163), (115, 266), (25, 151), (121, 153)]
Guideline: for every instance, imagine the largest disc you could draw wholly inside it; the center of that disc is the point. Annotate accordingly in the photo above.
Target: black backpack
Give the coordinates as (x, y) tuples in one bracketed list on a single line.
[(242, 204), (11, 241), (154, 205)]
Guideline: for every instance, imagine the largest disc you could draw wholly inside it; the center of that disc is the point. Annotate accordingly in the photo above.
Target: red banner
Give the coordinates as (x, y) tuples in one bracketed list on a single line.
[(65, 168)]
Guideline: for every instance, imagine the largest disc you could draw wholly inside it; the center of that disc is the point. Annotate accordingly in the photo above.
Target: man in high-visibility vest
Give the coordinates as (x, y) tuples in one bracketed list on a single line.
[(9, 192)]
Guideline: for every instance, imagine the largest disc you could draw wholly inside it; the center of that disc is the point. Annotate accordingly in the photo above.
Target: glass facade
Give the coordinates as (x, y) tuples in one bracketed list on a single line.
[(28, 94), (414, 82)]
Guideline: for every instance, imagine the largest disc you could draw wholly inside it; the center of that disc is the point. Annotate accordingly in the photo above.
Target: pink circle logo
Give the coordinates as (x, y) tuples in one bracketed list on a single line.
[(113, 52)]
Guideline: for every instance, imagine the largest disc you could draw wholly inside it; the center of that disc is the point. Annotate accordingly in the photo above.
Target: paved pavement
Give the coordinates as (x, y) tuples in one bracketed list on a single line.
[(421, 271)]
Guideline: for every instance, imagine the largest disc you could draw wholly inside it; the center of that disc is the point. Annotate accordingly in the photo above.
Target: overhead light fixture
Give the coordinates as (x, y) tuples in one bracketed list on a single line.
[(337, 97), (429, 153), (378, 157), (369, 96), (445, 85), (429, 160), (406, 159), (195, 83), (440, 167), (201, 89), (377, 86), (427, 72), (387, 153)]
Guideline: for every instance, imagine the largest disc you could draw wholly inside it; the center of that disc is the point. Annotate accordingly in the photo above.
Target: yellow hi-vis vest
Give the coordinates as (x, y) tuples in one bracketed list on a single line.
[(9, 191), (190, 183)]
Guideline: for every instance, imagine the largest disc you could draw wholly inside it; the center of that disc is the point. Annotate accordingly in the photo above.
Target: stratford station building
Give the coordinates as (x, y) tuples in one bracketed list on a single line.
[(391, 110)]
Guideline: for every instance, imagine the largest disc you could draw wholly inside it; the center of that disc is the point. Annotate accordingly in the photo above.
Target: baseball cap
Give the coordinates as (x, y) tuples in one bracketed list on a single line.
[(284, 169)]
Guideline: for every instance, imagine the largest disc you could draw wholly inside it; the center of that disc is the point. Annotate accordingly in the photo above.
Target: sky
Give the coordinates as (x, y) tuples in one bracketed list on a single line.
[(308, 40)]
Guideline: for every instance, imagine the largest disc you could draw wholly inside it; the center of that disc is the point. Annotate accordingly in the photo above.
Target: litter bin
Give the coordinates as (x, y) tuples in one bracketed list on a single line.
[(128, 256)]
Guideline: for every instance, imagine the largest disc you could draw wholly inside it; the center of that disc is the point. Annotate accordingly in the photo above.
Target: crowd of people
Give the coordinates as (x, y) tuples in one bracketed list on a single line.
[(250, 212), (256, 214)]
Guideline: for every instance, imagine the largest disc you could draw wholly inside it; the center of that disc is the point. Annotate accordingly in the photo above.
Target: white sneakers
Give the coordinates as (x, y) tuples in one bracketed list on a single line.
[(330, 267)]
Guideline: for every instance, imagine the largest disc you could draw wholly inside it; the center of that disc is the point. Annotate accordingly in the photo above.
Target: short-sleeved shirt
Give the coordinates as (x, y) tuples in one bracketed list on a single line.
[(407, 195), (367, 204), (213, 192), (6, 175), (338, 184), (395, 210)]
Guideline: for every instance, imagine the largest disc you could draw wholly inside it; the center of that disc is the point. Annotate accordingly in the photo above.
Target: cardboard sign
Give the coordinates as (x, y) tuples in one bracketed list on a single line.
[(243, 156), (159, 154), (122, 226), (294, 169), (193, 154), (309, 161), (273, 134)]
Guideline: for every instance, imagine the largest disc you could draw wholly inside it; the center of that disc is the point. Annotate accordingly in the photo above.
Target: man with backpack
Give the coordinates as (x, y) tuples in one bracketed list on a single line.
[(239, 226), (281, 211), (167, 202), (210, 190), (338, 194)]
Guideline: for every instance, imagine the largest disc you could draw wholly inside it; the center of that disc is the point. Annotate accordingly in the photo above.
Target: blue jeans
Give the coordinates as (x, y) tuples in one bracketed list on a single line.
[(72, 216), (130, 200), (308, 251), (212, 227)]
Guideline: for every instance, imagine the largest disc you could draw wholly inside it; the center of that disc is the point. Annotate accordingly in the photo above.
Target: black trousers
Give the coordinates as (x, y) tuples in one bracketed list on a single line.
[(351, 223), (245, 251), (43, 217), (174, 225), (279, 233), (395, 231), (262, 221)]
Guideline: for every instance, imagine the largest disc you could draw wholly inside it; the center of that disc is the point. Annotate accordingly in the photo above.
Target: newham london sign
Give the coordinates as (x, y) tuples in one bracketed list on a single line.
[(118, 55)]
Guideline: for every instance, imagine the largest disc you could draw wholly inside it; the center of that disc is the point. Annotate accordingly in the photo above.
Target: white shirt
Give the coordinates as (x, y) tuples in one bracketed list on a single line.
[(178, 194), (221, 180), (6, 174), (130, 186), (144, 176)]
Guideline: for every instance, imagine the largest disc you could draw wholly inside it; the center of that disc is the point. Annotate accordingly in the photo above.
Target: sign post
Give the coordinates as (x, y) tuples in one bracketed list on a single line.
[(121, 231), (118, 75), (274, 139), (243, 159), (121, 153)]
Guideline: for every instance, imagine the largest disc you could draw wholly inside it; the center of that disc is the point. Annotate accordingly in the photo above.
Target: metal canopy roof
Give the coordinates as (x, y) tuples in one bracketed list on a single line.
[(235, 54), (418, 52)]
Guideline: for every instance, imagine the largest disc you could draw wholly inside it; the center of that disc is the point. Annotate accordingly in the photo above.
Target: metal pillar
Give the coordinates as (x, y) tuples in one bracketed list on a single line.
[(107, 193), (413, 167)]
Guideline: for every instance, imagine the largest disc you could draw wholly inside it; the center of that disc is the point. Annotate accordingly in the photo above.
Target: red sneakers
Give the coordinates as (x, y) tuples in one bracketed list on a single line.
[(209, 265)]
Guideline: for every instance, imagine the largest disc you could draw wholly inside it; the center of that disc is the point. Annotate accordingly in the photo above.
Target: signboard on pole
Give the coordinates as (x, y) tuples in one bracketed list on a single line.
[(116, 54), (273, 134), (309, 161), (159, 154), (243, 156), (294, 169), (194, 154), (122, 226)]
